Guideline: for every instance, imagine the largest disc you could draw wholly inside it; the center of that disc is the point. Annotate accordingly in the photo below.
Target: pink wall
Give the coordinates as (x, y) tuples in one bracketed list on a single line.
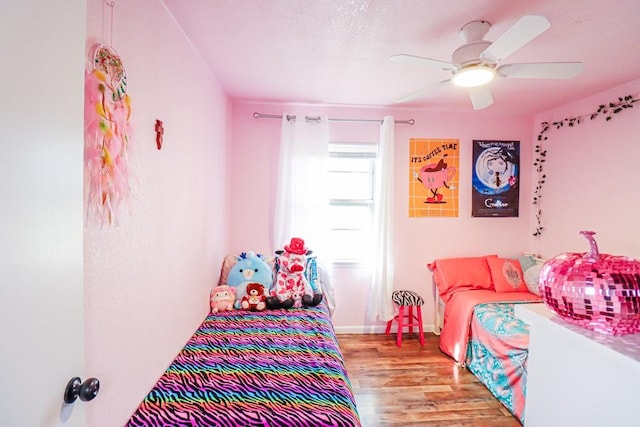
[(592, 178), (418, 240), (147, 281)]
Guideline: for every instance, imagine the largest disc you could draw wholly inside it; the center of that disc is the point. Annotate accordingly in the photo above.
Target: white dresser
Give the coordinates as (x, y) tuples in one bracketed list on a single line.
[(577, 377)]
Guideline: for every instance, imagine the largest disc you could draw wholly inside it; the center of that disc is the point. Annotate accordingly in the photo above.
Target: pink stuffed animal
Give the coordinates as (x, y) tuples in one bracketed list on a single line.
[(222, 298), (291, 287)]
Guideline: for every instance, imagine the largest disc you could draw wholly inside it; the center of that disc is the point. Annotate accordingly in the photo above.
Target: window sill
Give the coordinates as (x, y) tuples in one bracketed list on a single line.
[(360, 264)]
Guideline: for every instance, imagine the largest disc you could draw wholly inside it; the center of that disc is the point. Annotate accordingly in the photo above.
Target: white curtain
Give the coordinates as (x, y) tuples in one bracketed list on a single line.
[(302, 199), (380, 305)]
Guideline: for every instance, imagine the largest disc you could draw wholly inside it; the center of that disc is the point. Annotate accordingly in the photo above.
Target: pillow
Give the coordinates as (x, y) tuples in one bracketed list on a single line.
[(455, 274), (229, 261), (531, 267), (507, 275)]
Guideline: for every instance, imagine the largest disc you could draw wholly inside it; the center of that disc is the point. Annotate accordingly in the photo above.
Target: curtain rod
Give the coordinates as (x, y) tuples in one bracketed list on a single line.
[(317, 119)]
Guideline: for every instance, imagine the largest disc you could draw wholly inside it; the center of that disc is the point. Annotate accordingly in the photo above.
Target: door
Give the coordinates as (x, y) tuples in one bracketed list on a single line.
[(41, 130)]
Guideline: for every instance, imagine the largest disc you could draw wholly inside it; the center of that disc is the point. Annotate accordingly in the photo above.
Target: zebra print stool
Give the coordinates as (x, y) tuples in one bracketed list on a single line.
[(407, 299)]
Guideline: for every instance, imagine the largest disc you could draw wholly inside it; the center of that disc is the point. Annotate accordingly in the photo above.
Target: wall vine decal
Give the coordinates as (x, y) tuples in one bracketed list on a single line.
[(606, 110)]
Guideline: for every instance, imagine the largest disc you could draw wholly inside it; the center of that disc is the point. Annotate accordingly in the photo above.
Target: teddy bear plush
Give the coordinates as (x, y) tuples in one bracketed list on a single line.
[(291, 287), (250, 268), (222, 298), (255, 298)]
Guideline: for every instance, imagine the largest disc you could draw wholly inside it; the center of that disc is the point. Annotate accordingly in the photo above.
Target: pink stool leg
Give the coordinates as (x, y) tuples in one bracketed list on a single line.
[(389, 326), (410, 317), (419, 310), (400, 326)]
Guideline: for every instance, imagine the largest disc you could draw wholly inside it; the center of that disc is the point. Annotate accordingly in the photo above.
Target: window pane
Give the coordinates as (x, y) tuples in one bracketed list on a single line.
[(350, 245), (354, 217), (350, 185), (351, 173), (349, 164)]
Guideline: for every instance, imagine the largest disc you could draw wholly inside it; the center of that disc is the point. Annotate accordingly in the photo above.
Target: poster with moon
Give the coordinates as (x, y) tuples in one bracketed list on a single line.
[(496, 178)]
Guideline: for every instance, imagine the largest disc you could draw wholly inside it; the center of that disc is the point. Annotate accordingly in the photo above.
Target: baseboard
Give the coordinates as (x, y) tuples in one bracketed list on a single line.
[(372, 329)]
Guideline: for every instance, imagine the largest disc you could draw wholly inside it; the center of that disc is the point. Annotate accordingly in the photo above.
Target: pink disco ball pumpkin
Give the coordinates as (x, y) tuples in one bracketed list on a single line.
[(599, 292)]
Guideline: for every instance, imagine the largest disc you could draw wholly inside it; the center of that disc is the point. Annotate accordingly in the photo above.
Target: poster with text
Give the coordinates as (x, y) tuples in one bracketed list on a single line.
[(433, 177), (496, 178)]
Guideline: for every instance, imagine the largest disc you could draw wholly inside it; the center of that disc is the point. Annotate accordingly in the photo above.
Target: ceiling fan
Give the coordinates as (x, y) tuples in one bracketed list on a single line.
[(478, 61)]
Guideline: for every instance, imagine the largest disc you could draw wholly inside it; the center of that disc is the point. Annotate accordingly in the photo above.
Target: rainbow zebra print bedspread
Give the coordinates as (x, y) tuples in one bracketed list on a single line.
[(270, 368)]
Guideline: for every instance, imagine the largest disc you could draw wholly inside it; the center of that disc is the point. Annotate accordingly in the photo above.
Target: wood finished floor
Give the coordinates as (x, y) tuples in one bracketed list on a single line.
[(415, 386)]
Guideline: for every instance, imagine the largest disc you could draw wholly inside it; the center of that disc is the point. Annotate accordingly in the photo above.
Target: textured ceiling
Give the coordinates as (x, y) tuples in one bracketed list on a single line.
[(337, 51)]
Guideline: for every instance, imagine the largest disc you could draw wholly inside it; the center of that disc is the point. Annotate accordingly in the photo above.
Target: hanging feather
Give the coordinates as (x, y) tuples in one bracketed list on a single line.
[(107, 136)]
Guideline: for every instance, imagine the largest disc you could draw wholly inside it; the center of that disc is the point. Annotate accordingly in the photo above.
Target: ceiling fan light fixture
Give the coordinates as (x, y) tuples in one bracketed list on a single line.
[(473, 76)]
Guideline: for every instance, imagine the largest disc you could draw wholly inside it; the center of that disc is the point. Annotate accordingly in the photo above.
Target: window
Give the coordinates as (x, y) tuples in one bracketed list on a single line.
[(351, 173)]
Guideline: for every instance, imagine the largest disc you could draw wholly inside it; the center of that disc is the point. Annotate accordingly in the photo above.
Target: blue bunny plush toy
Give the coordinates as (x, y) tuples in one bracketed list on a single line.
[(250, 268)]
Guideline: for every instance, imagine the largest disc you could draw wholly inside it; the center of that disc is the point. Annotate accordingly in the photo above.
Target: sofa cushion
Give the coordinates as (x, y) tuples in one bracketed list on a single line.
[(507, 275), (531, 267), (456, 274)]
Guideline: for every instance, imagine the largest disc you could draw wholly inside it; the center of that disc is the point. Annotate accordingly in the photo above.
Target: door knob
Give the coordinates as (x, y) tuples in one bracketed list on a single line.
[(86, 390)]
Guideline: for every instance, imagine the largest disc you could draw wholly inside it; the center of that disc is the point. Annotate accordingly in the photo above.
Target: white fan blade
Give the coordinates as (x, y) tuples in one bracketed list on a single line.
[(541, 70), (419, 59), (480, 97), (522, 32), (421, 92)]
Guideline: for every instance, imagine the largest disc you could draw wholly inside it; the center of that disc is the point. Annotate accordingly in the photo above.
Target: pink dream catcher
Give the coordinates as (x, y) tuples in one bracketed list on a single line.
[(107, 134)]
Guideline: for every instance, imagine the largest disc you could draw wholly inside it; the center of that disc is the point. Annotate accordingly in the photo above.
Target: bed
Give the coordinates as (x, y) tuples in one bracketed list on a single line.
[(270, 368), (479, 329)]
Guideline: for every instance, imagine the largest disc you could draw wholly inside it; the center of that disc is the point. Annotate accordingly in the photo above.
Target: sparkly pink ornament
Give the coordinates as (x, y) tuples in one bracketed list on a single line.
[(599, 292)]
